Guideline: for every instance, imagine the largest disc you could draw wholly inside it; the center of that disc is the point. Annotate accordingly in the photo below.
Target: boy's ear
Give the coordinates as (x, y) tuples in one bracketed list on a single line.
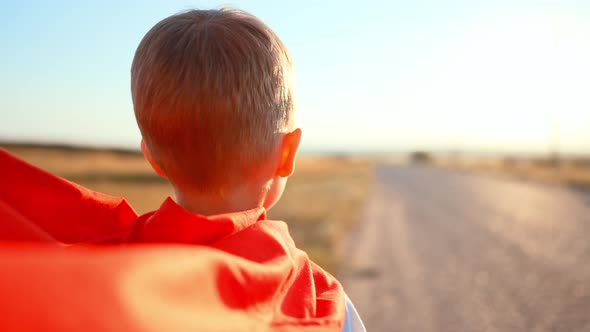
[(148, 157), (288, 152)]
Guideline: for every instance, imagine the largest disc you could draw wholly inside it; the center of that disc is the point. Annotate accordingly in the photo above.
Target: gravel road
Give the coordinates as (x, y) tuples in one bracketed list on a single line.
[(442, 251)]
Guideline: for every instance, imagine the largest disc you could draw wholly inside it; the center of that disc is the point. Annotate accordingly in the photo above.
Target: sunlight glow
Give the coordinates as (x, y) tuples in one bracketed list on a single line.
[(509, 82)]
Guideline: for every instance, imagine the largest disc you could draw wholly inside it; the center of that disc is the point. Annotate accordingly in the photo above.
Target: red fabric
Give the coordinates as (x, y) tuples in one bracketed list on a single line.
[(68, 212), (171, 271)]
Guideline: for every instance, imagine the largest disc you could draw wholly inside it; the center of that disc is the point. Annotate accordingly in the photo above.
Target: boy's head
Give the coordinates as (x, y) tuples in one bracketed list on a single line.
[(213, 97)]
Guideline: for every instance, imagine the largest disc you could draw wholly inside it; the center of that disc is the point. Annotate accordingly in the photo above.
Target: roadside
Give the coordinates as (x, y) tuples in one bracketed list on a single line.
[(573, 172)]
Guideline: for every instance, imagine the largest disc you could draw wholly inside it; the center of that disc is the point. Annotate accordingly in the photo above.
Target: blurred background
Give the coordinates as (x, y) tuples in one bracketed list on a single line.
[(444, 175)]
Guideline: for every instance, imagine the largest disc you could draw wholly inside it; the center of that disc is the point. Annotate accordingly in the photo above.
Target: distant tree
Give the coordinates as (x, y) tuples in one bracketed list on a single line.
[(421, 157)]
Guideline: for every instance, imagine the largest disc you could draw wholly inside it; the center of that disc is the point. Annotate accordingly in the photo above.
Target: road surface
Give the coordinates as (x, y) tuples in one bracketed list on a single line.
[(442, 251)]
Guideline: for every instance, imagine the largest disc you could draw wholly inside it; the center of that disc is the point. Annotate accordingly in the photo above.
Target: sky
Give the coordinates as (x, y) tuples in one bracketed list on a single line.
[(497, 76)]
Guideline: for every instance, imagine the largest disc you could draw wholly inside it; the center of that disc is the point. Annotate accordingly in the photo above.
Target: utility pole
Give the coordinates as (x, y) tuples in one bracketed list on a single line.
[(555, 148)]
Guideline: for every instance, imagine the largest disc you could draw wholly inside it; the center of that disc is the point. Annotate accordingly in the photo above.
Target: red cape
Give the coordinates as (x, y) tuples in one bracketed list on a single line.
[(168, 270)]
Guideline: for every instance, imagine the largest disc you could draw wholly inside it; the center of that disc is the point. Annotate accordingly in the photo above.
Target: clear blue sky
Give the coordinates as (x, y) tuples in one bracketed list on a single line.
[(492, 75)]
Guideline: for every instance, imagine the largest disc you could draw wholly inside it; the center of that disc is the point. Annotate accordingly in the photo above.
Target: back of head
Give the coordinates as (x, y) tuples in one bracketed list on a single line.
[(212, 93)]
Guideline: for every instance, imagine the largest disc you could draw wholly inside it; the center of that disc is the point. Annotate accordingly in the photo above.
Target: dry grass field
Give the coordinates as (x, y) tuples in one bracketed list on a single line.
[(572, 172), (321, 201)]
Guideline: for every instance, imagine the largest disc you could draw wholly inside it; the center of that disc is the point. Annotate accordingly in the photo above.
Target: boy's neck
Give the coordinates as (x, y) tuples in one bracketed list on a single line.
[(241, 199)]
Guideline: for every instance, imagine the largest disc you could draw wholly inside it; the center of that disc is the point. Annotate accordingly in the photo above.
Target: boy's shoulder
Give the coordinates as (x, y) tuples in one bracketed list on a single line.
[(257, 263)]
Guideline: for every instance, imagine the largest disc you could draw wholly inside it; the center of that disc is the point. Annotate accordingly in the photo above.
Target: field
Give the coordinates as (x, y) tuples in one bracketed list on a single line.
[(322, 200), (572, 172)]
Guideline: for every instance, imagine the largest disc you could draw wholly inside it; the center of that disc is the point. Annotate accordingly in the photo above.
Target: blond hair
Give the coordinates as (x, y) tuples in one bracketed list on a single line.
[(211, 92)]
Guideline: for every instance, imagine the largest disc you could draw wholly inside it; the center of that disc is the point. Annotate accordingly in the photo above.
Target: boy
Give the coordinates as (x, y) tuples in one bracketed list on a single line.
[(213, 98)]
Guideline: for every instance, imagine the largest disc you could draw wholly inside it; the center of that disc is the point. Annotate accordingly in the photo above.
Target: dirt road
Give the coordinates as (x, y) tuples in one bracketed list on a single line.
[(444, 251)]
